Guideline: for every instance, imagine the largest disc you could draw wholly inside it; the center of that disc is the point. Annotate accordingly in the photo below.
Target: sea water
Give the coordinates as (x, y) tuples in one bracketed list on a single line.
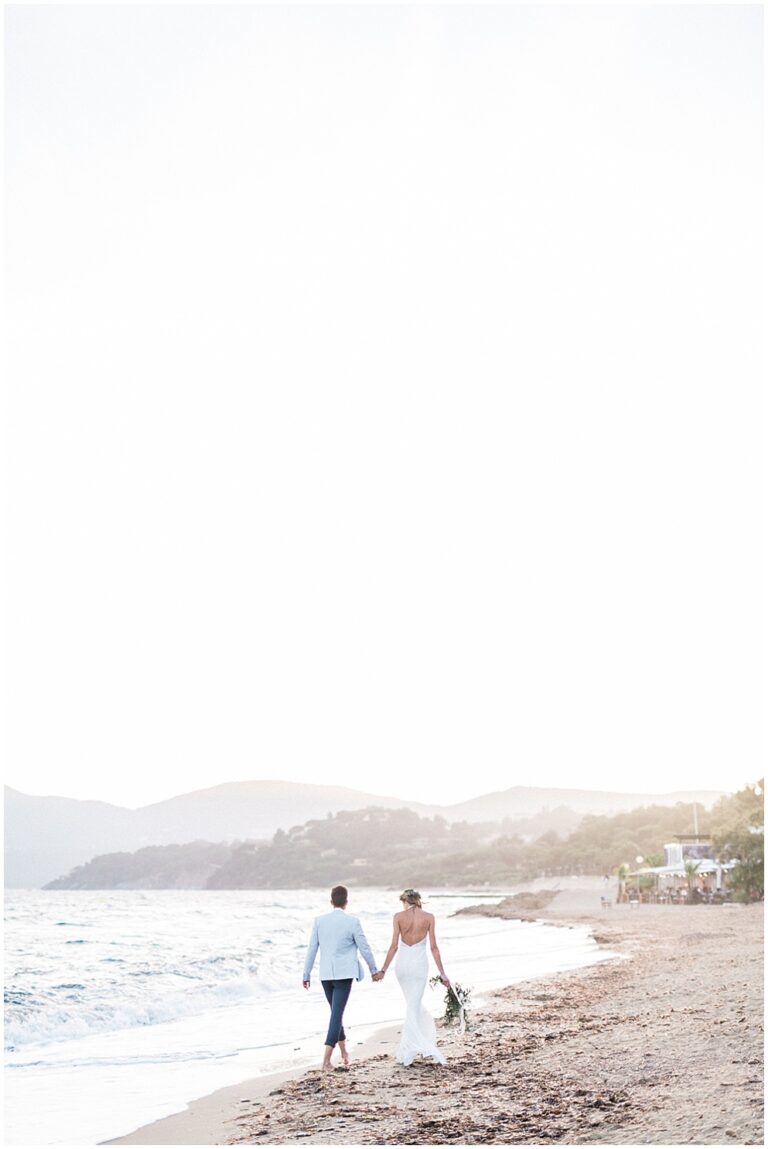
[(122, 1006)]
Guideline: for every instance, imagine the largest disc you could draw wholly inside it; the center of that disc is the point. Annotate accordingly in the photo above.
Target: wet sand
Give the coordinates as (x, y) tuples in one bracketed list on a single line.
[(663, 1045)]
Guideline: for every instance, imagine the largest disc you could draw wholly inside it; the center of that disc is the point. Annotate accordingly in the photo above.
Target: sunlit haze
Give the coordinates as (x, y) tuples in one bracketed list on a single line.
[(384, 404)]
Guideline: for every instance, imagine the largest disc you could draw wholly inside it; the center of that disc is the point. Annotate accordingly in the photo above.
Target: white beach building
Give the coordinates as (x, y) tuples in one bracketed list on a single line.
[(673, 874)]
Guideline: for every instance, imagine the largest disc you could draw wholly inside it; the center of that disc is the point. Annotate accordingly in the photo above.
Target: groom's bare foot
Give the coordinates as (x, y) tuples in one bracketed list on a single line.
[(344, 1055)]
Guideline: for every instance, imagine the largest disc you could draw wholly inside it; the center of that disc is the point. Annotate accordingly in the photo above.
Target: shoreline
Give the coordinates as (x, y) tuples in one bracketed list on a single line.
[(216, 1114), (212, 1117), (663, 1048)]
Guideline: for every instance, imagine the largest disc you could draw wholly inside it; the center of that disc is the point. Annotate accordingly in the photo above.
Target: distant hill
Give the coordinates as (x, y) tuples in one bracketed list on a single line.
[(251, 810), (187, 867), (46, 837), (394, 847), (374, 846), (525, 801)]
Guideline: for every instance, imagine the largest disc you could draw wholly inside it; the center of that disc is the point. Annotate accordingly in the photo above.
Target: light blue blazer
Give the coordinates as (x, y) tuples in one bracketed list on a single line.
[(339, 936)]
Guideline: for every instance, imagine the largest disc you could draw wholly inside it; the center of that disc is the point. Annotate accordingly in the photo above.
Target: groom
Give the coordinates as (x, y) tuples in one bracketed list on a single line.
[(338, 935)]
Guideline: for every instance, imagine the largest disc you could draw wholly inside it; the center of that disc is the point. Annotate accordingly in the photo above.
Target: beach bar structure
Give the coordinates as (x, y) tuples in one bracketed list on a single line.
[(672, 876)]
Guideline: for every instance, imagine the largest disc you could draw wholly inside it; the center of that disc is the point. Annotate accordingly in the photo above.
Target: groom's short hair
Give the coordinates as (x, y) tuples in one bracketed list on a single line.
[(339, 896)]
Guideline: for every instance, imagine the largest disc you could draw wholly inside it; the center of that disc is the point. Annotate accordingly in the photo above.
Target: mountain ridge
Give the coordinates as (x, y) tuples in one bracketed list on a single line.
[(46, 836)]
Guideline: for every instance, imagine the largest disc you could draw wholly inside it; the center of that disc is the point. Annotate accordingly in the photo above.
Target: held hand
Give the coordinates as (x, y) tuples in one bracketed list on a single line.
[(378, 976), (305, 984)]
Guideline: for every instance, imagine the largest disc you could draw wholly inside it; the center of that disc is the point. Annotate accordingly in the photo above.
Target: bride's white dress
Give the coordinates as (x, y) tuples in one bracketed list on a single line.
[(419, 1036)]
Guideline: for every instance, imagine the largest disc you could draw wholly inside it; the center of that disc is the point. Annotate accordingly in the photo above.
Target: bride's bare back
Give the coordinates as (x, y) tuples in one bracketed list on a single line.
[(414, 925), (411, 926)]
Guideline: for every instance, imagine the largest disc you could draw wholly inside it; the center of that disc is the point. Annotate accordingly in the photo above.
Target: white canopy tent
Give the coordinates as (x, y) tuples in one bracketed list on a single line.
[(705, 866)]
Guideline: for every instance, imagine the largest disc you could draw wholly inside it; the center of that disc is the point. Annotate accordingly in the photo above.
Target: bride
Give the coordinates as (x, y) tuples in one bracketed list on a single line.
[(412, 927)]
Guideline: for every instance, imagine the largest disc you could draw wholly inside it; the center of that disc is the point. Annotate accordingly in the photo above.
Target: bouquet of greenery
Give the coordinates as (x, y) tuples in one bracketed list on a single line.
[(456, 1000)]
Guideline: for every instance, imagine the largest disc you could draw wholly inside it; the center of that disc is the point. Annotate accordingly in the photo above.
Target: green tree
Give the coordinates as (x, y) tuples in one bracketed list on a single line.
[(691, 870), (739, 834)]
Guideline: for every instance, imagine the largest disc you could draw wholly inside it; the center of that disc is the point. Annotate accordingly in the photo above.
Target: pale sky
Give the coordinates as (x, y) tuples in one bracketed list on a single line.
[(384, 397)]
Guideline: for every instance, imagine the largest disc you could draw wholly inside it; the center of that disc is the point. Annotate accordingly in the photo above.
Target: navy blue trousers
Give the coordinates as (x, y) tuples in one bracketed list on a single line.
[(337, 992)]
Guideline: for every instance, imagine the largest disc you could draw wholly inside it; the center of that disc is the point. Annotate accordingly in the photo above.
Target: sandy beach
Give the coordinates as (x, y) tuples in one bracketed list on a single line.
[(663, 1045)]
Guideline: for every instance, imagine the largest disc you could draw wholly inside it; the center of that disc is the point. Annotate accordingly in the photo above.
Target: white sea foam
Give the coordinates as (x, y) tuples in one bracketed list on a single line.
[(54, 1021)]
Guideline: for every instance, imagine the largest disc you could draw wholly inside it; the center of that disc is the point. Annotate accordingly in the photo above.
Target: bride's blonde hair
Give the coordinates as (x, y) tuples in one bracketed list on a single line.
[(412, 897)]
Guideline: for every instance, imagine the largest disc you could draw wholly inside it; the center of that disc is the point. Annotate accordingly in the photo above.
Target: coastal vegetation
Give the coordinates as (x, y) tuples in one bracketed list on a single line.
[(370, 847), (390, 847), (186, 867), (738, 831)]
